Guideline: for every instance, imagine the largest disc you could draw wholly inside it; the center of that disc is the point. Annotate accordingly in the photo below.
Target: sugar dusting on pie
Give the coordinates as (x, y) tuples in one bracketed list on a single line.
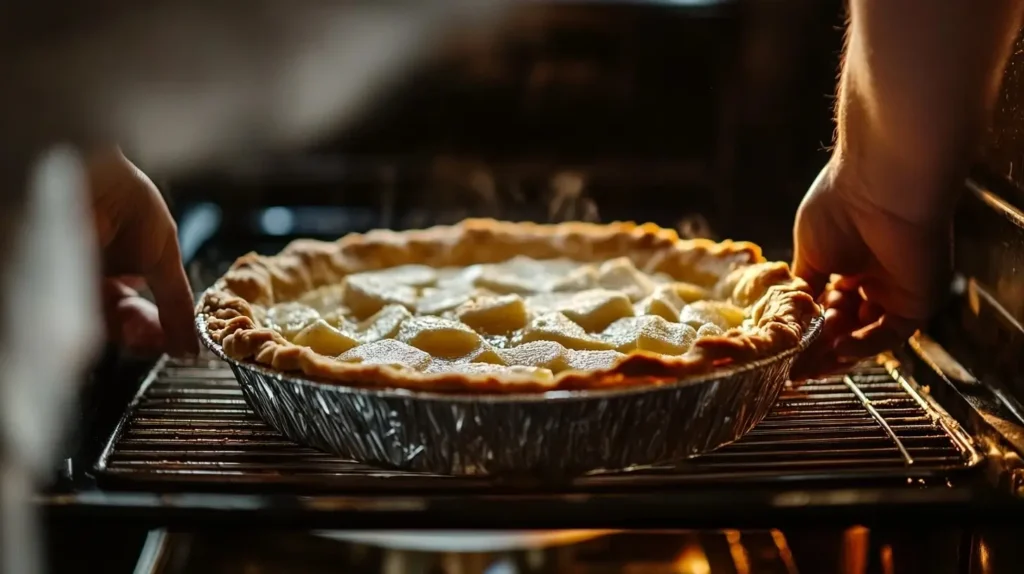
[(490, 306)]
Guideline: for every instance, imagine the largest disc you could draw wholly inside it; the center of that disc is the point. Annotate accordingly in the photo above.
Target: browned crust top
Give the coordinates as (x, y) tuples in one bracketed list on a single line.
[(778, 302)]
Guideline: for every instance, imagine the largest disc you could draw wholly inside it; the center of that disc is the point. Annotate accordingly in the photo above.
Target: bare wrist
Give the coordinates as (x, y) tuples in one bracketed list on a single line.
[(870, 183), (908, 167)]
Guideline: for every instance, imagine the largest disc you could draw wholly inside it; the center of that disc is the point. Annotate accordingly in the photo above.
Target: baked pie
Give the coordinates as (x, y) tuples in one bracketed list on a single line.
[(489, 307)]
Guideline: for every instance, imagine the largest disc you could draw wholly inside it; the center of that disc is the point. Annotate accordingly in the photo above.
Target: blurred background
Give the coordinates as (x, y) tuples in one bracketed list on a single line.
[(709, 116), (263, 121)]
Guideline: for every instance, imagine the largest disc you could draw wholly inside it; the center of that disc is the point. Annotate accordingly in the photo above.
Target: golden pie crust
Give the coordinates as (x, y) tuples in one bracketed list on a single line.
[(777, 306)]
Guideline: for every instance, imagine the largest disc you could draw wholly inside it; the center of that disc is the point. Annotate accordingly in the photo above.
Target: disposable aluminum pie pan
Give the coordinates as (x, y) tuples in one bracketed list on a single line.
[(548, 436)]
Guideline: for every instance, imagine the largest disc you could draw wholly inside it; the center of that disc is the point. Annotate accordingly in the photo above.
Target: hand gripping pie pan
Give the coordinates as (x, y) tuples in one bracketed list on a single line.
[(547, 436)]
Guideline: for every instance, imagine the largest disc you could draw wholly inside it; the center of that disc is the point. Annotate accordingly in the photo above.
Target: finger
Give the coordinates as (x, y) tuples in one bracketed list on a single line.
[(113, 291), (846, 302), (847, 283), (131, 320), (818, 357), (841, 316), (173, 297), (837, 323), (139, 324), (832, 297), (869, 312), (816, 279), (914, 304), (841, 319), (883, 335), (131, 281)]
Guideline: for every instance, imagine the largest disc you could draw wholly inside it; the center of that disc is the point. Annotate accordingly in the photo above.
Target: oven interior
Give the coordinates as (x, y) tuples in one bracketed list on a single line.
[(707, 117)]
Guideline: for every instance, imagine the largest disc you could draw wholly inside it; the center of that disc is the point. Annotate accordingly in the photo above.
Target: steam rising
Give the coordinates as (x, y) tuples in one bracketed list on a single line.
[(694, 226), (569, 201), (461, 188)]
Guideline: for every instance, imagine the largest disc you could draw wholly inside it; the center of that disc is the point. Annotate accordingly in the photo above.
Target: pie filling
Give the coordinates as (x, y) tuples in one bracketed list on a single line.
[(521, 317)]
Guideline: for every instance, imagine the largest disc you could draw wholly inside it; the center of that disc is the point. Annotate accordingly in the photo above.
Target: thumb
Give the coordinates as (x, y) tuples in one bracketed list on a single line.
[(132, 321), (814, 277)]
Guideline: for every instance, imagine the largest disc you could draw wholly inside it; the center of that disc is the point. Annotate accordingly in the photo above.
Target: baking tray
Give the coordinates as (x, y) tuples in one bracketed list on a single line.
[(550, 436)]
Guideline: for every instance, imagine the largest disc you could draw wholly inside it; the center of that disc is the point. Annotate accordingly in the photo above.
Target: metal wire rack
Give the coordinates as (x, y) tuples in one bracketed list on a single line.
[(190, 426)]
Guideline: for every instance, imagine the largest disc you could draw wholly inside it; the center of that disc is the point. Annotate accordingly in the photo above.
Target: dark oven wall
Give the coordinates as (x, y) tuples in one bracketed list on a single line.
[(1004, 150), (640, 110), (990, 226)]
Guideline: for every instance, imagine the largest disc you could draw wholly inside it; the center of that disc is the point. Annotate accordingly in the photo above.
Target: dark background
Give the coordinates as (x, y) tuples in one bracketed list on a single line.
[(713, 118)]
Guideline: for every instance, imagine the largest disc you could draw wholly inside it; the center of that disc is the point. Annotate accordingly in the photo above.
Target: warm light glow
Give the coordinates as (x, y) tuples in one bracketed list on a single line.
[(785, 553), (692, 560), (566, 537), (738, 551), (887, 563), (983, 556), (855, 549)]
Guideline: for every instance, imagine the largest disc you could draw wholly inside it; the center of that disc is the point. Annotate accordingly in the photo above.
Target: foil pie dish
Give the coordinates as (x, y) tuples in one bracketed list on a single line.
[(547, 436)]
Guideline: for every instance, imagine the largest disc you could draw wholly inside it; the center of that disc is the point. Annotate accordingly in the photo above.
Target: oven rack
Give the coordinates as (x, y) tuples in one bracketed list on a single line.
[(189, 427)]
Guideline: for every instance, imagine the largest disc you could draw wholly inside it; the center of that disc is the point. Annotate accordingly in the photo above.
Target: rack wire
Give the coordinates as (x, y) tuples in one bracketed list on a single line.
[(190, 425)]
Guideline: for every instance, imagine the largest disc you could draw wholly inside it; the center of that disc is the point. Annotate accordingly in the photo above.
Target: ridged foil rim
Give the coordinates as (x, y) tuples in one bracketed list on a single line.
[(813, 330)]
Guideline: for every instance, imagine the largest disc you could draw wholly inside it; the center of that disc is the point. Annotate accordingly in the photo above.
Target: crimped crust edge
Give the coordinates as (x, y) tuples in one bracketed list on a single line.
[(778, 301)]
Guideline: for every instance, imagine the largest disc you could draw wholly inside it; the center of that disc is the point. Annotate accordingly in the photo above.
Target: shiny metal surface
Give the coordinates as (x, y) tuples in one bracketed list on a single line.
[(973, 348), (554, 436), (463, 541)]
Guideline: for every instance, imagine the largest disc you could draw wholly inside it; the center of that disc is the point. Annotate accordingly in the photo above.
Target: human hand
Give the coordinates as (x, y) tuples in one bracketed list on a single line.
[(879, 272), (139, 248)]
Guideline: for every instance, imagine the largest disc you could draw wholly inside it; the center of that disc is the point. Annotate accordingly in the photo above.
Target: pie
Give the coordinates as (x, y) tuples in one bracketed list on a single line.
[(495, 307)]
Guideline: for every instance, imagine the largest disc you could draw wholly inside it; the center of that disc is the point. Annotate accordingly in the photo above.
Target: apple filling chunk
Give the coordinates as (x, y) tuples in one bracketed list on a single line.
[(650, 333), (435, 301), (558, 328), (383, 324), (495, 315), (718, 313), (388, 352), (546, 354), (592, 310), (441, 338), (325, 339), (365, 294), (663, 302), (621, 275), (519, 318), (290, 318)]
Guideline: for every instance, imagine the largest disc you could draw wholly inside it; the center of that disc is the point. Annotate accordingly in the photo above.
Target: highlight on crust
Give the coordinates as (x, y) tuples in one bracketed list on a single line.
[(486, 306)]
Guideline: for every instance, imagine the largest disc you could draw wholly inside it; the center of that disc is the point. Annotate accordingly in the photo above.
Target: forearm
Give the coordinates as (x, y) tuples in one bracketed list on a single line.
[(919, 81)]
